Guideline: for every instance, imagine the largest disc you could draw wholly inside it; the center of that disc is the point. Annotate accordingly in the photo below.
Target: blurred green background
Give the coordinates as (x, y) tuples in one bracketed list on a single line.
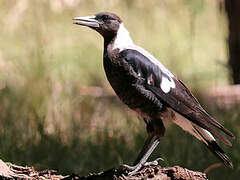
[(57, 110)]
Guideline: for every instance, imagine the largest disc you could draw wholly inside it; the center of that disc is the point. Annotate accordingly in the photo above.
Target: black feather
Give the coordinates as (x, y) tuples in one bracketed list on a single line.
[(219, 153)]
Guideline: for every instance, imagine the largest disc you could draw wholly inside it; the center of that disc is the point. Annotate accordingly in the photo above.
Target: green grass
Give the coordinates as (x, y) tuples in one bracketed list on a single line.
[(45, 60)]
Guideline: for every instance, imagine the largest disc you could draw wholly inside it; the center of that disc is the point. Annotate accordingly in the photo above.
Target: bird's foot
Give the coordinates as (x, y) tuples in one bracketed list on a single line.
[(133, 169), (153, 163)]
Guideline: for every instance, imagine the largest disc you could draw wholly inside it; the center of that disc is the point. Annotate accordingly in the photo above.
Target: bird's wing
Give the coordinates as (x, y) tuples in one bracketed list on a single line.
[(160, 81)]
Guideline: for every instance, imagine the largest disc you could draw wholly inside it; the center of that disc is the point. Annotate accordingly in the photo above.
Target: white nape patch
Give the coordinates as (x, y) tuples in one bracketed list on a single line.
[(123, 41)]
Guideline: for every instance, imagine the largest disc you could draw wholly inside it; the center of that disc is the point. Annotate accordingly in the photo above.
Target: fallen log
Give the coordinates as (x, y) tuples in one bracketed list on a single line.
[(11, 171)]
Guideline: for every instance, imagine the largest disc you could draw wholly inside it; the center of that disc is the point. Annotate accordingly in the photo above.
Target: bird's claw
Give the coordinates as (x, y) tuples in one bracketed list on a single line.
[(153, 163), (133, 169)]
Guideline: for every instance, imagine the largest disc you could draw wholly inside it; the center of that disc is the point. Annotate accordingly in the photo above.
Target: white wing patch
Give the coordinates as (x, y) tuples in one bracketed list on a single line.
[(167, 84), (123, 41)]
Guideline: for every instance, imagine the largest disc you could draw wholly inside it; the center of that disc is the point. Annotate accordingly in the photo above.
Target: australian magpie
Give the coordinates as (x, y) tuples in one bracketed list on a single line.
[(150, 89)]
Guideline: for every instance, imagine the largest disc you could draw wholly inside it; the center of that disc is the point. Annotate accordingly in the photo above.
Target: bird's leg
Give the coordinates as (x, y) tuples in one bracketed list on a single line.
[(156, 128), (151, 124), (144, 148), (150, 132), (144, 158)]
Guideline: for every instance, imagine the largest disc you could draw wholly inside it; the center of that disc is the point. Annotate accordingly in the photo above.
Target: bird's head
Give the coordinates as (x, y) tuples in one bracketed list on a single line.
[(107, 24)]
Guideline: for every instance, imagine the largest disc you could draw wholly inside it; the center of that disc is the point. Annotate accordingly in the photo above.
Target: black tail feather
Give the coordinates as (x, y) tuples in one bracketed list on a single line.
[(217, 150)]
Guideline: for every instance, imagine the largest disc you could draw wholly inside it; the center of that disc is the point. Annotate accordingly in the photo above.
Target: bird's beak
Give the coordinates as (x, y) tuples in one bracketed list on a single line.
[(89, 21)]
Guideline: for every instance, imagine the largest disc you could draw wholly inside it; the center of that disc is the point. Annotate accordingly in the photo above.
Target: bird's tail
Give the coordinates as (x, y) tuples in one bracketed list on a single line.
[(217, 150), (208, 139)]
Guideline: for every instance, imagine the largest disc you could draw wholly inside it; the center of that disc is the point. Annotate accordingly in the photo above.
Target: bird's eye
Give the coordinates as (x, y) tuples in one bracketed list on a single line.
[(104, 18)]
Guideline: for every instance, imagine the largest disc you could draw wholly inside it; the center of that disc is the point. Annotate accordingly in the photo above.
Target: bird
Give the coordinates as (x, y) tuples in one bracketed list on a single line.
[(147, 87)]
